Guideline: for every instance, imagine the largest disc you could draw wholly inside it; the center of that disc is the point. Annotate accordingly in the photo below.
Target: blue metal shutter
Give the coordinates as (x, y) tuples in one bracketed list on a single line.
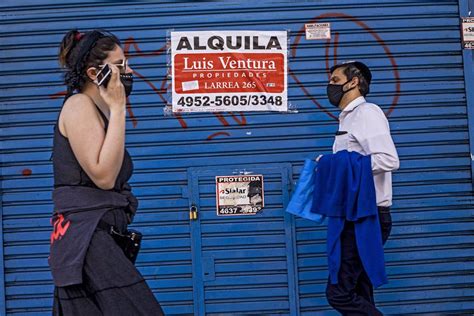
[(429, 254), (243, 264)]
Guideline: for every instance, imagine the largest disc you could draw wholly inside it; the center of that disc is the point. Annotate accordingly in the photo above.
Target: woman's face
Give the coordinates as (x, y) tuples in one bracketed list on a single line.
[(117, 57)]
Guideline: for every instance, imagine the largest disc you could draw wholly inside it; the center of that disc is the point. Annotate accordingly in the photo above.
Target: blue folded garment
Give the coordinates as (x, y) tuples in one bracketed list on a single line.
[(301, 201), (344, 190)]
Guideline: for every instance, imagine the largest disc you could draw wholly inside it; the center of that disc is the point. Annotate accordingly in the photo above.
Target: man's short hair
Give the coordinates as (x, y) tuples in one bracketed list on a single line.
[(356, 69)]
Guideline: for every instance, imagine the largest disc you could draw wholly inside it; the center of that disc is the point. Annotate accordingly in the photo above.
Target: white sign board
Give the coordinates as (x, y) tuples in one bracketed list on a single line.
[(468, 33), (318, 31), (239, 195), (216, 71)]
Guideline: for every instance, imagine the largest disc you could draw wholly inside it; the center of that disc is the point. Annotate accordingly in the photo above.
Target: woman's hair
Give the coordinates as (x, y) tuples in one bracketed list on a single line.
[(79, 51)]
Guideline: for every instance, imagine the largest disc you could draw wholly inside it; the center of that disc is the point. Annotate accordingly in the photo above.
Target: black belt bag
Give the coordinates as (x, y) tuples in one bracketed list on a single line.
[(129, 241)]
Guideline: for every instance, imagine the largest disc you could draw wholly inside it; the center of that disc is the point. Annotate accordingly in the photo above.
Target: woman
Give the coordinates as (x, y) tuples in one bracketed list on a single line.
[(92, 200)]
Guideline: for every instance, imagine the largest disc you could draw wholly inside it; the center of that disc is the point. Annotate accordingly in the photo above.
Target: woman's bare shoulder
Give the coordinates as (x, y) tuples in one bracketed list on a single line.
[(79, 108), (78, 103)]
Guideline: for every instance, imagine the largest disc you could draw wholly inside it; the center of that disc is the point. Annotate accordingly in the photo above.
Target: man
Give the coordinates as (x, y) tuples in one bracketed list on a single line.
[(363, 128)]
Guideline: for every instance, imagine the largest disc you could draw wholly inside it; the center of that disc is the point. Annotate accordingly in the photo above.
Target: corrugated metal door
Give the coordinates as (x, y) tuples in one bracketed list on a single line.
[(413, 48), (243, 264)]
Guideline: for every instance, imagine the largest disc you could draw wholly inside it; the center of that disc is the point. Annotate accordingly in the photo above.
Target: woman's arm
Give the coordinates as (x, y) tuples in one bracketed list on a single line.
[(100, 154)]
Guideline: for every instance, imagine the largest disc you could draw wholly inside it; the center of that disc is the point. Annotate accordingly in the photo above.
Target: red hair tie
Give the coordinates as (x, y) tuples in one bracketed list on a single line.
[(78, 36)]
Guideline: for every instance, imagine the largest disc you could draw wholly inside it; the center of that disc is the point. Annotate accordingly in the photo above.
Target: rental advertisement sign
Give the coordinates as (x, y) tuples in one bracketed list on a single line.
[(215, 71)]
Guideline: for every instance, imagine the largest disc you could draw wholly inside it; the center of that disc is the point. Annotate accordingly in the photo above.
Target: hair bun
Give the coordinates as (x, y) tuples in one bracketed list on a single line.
[(78, 36), (67, 44)]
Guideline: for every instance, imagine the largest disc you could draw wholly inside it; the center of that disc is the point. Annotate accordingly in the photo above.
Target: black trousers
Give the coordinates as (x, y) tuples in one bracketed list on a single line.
[(354, 294)]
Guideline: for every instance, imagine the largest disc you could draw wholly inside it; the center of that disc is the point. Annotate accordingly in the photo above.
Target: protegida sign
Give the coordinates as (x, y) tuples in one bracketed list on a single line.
[(239, 195), (215, 71), (467, 25)]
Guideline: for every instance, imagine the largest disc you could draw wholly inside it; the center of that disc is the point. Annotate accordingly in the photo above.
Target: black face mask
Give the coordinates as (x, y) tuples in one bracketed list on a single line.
[(127, 81), (335, 92)]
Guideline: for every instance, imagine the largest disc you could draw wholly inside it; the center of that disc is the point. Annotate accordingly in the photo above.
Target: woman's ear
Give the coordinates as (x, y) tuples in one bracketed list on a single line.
[(92, 73)]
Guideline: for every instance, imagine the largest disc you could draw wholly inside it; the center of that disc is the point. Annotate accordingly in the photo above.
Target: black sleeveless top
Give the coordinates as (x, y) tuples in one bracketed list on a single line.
[(68, 171)]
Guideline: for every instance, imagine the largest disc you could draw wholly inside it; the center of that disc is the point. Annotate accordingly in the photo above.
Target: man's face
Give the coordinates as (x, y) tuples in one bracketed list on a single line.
[(338, 76)]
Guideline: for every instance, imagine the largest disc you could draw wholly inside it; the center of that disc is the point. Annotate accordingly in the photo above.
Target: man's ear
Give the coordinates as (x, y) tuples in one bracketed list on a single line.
[(92, 73), (356, 80)]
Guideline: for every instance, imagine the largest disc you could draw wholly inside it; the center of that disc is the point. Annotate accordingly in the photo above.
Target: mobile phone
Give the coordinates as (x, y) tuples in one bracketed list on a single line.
[(104, 75)]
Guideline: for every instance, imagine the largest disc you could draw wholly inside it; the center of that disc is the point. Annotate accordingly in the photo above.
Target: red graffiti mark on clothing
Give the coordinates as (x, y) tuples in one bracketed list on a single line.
[(369, 30), (59, 229)]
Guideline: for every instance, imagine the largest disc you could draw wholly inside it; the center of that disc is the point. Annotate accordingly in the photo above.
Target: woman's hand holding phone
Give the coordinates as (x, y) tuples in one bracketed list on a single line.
[(114, 93)]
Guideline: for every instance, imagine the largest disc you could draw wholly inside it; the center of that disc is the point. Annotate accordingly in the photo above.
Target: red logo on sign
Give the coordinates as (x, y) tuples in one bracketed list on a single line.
[(229, 72)]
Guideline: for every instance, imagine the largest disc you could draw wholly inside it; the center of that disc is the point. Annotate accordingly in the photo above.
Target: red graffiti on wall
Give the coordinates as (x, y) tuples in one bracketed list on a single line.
[(133, 50), (130, 42), (26, 172), (370, 31)]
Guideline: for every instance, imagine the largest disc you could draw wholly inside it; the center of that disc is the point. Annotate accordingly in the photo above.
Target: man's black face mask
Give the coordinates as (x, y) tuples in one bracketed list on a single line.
[(336, 92)]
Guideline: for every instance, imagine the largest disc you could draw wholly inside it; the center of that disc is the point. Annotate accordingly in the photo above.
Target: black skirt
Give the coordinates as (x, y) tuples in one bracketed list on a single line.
[(111, 283)]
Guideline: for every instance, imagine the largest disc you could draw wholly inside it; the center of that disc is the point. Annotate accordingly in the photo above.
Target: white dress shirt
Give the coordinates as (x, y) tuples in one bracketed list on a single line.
[(368, 133)]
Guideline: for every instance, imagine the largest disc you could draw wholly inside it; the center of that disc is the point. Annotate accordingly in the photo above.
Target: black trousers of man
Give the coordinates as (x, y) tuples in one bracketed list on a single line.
[(354, 294)]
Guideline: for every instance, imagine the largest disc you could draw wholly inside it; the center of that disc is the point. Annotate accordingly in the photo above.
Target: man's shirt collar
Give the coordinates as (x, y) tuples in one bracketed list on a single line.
[(353, 104)]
